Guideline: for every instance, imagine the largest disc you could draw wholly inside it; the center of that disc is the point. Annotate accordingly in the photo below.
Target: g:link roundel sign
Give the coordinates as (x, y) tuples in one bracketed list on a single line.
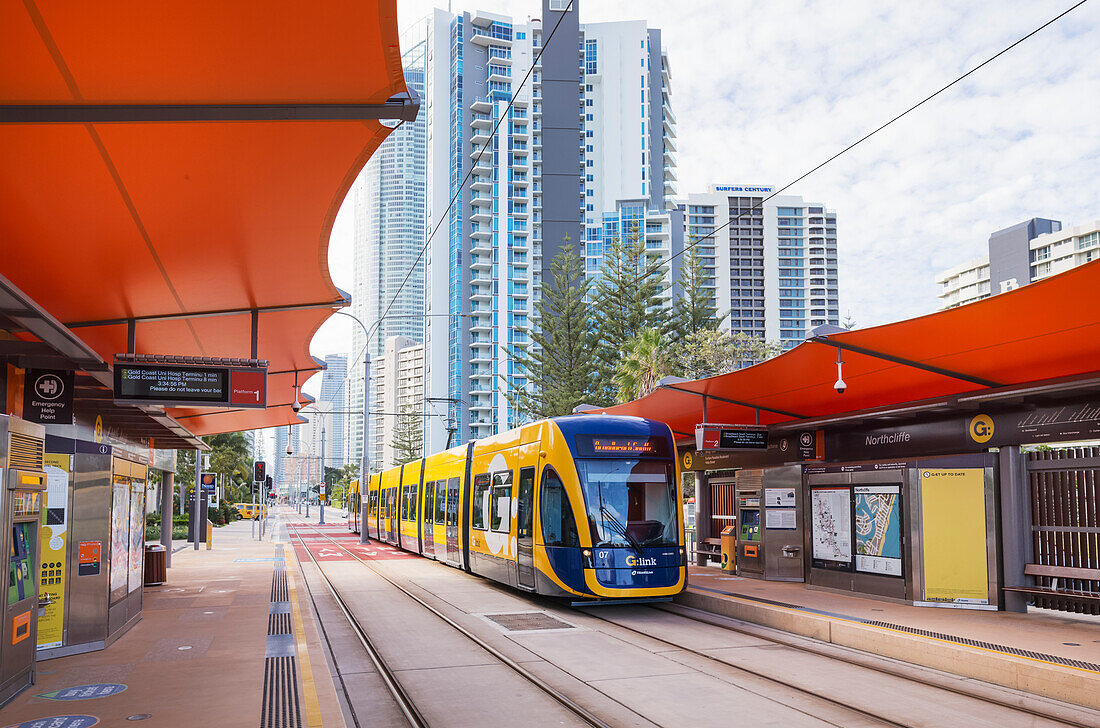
[(980, 429)]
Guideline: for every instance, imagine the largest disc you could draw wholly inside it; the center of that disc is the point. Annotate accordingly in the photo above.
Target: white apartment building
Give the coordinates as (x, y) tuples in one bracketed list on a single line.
[(964, 283), (399, 379), (774, 266), (1053, 253), (1024, 253)]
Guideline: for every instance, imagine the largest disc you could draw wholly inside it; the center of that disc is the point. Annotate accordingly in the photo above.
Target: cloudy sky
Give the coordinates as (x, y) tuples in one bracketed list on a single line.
[(763, 91)]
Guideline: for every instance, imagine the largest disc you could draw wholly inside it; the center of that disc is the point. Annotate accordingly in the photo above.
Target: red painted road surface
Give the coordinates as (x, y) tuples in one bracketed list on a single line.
[(346, 544)]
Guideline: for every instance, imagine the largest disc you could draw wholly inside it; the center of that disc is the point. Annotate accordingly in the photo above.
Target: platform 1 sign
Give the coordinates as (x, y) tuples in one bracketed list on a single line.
[(190, 385)]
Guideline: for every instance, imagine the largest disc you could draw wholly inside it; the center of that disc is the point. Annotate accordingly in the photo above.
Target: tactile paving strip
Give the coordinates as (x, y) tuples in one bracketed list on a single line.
[(281, 707), (988, 646), (524, 621)]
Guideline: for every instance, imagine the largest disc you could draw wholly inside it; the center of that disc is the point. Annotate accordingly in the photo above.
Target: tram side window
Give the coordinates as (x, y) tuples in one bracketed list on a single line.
[(452, 502), (501, 516), (441, 502), (413, 500), (406, 492), (558, 525), (481, 501), (429, 500)]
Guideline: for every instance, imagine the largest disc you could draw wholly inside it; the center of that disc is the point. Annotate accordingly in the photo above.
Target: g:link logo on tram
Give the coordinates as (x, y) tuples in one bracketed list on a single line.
[(640, 561)]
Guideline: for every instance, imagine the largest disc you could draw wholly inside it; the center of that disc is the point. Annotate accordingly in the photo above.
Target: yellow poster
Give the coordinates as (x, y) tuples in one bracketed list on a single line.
[(953, 540), (54, 547)]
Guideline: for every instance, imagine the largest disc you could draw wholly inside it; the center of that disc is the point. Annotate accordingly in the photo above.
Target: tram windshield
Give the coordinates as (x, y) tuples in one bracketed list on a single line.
[(631, 503)]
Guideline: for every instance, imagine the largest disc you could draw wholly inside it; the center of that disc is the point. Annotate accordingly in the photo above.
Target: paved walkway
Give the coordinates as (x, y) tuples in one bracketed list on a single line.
[(209, 640)]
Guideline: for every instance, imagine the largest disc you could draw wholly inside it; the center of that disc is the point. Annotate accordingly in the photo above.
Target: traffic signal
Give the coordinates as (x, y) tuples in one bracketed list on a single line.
[(260, 475), (270, 486)]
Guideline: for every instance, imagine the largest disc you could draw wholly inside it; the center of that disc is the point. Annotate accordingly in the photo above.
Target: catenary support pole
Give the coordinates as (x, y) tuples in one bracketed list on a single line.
[(364, 470), (324, 489)]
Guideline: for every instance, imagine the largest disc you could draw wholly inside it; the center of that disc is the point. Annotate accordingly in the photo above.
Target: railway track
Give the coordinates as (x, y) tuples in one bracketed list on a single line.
[(400, 694), (817, 703)]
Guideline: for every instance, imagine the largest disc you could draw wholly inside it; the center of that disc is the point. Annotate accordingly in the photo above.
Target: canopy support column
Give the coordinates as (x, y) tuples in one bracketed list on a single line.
[(255, 334)]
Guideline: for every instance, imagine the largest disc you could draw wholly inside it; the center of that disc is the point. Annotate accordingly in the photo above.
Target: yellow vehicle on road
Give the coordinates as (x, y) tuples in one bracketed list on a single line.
[(248, 510)]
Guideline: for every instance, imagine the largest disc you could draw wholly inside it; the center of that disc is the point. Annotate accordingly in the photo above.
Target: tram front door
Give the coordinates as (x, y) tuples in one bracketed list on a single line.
[(525, 549)]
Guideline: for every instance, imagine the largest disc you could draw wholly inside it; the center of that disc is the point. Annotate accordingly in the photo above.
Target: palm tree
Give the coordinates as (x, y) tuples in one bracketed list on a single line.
[(644, 362)]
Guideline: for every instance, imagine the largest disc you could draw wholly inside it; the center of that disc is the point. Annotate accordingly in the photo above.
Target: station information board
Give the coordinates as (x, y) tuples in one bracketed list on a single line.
[(190, 385), (731, 437)]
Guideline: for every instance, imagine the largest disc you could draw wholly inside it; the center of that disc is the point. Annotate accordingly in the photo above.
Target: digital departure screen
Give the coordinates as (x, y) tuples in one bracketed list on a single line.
[(612, 445), (195, 386), (176, 384), (732, 439)]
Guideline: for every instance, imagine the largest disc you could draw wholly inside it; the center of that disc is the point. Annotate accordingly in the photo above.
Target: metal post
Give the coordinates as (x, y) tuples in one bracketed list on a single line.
[(198, 485), (167, 490), (702, 515), (322, 496), (364, 469), (1015, 525), (253, 509)]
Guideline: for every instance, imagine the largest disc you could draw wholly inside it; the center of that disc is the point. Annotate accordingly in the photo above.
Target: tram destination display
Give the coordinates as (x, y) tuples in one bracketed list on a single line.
[(190, 385)]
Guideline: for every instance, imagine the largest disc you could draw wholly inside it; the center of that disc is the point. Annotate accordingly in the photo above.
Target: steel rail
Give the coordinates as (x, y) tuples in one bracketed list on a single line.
[(795, 642), (404, 703), (559, 697)]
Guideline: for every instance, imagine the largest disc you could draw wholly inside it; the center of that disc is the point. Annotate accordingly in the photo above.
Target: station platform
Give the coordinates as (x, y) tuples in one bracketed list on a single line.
[(221, 643), (1044, 652)]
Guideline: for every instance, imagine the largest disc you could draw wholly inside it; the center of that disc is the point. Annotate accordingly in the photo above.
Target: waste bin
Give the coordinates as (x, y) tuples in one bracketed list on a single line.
[(729, 549), (156, 566)]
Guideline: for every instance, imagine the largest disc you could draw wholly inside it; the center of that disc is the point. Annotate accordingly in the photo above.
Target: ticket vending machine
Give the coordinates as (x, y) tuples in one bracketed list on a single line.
[(750, 544), (21, 498)]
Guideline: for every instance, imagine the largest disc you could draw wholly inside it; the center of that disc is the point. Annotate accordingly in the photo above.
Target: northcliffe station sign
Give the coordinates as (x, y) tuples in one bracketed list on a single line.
[(190, 385)]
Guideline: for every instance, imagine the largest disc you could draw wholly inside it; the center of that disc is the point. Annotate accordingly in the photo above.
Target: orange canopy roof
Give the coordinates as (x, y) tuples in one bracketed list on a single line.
[(1042, 331), (221, 206)]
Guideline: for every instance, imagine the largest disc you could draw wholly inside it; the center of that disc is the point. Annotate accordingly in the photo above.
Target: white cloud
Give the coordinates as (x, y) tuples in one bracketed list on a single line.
[(764, 91)]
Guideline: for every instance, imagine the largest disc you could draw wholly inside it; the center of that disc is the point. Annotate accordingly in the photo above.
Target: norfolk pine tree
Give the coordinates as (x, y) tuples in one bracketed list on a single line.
[(694, 309), (627, 302), (560, 360), (407, 437)]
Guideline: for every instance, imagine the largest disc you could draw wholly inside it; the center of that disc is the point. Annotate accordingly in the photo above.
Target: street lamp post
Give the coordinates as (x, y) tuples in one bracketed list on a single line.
[(321, 499), (364, 468)]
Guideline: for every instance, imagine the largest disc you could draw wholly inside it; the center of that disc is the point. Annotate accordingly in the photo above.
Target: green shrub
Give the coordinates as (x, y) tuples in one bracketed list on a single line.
[(152, 531), (179, 533), (214, 515), (152, 519), (177, 520)]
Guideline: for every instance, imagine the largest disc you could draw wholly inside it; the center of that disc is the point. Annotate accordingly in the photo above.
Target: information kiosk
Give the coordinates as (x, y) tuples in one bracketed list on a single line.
[(22, 448)]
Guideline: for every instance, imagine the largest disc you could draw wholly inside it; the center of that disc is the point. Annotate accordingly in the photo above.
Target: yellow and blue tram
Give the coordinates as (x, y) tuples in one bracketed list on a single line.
[(586, 507)]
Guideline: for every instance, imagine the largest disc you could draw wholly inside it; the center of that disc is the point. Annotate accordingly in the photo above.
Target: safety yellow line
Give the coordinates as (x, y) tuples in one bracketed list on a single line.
[(309, 687), (798, 611)]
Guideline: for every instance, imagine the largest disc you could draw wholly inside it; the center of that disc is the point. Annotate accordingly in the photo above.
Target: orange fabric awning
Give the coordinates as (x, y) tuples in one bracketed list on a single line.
[(188, 225), (1046, 330)]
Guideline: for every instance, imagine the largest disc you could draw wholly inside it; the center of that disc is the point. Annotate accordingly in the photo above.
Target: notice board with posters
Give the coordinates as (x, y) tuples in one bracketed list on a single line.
[(955, 556)]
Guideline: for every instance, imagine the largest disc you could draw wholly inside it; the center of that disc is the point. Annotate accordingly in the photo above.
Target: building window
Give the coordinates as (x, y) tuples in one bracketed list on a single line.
[(589, 54)]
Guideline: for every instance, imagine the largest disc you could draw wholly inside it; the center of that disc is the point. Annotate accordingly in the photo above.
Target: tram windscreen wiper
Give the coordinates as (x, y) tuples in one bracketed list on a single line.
[(620, 528)]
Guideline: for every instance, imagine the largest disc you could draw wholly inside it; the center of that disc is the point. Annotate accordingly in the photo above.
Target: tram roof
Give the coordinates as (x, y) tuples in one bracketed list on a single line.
[(181, 164), (1042, 337)]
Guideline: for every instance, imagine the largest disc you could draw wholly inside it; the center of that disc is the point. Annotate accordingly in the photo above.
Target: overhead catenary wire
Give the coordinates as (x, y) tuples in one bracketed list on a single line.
[(658, 266)]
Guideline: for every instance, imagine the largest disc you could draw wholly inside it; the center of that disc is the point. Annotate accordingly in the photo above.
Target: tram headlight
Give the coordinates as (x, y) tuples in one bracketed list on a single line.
[(586, 558), (683, 556)]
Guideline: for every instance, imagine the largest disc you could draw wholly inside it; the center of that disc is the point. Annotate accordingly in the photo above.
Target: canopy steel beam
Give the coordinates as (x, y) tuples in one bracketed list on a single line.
[(401, 107), (733, 401), (152, 318), (906, 362)]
